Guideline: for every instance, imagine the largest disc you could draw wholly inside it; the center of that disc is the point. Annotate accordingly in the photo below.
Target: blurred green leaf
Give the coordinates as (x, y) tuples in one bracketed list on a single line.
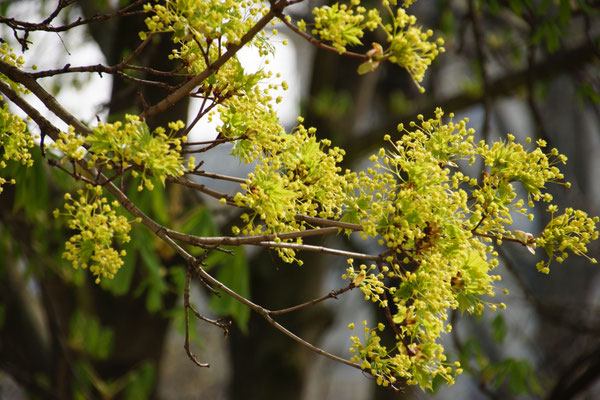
[(234, 274), (87, 335), (141, 383), (499, 328)]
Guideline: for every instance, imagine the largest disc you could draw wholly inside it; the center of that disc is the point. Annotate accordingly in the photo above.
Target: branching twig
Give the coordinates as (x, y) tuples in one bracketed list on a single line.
[(45, 25), (49, 101), (186, 306), (232, 49), (241, 240)]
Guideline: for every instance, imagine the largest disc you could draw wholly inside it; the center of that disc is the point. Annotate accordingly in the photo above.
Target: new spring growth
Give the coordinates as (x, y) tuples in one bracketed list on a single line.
[(98, 226)]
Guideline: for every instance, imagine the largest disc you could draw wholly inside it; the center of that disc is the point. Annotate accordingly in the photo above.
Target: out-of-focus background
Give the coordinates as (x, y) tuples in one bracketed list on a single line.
[(530, 68)]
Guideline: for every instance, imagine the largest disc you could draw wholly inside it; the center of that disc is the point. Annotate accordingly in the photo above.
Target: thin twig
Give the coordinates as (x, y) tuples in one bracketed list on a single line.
[(241, 240), (390, 319), (186, 306), (233, 48), (331, 295), (217, 176), (319, 249), (317, 42)]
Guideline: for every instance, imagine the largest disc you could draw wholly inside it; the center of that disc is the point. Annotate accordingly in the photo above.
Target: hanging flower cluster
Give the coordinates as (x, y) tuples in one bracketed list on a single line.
[(15, 141), (97, 225)]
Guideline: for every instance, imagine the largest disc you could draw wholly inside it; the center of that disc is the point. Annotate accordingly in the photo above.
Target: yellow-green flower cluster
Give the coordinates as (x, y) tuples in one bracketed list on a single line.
[(436, 223), (343, 24), (370, 284), (296, 174), (15, 141), (566, 233), (70, 144), (209, 24), (533, 169), (409, 46), (248, 114), (8, 56), (416, 363), (98, 225), (132, 144)]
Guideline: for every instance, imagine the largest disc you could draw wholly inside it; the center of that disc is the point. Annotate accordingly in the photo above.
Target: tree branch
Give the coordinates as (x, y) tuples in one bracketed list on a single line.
[(184, 90)]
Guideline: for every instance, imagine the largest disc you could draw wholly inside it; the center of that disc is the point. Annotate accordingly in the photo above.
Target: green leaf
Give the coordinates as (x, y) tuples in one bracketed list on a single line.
[(87, 335), (475, 265), (31, 190), (199, 222), (121, 283), (367, 66), (234, 274), (141, 383), (159, 204), (499, 328), (467, 302), (155, 281)]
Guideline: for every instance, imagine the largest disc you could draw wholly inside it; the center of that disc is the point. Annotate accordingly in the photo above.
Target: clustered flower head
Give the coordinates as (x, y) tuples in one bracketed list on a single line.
[(8, 55), (131, 143), (567, 233), (70, 144), (295, 174), (98, 225), (409, 46), (342, 24), (207, 24), (15, 141), (436, 222)]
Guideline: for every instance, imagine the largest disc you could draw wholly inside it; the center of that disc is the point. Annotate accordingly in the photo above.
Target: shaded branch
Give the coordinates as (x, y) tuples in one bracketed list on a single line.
[(49, 101)]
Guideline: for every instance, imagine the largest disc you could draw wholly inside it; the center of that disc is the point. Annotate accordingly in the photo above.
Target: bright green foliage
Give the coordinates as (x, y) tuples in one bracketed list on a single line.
[(98, 225), (15, 141)]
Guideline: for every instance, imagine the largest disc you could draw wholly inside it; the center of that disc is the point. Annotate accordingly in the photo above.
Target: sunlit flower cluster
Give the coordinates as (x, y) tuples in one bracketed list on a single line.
[(97, 225), (70, 144), (435, 222), (567, 233), (132, 144), (342, 24), (206, 24), (408, 46), (295, 174)]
